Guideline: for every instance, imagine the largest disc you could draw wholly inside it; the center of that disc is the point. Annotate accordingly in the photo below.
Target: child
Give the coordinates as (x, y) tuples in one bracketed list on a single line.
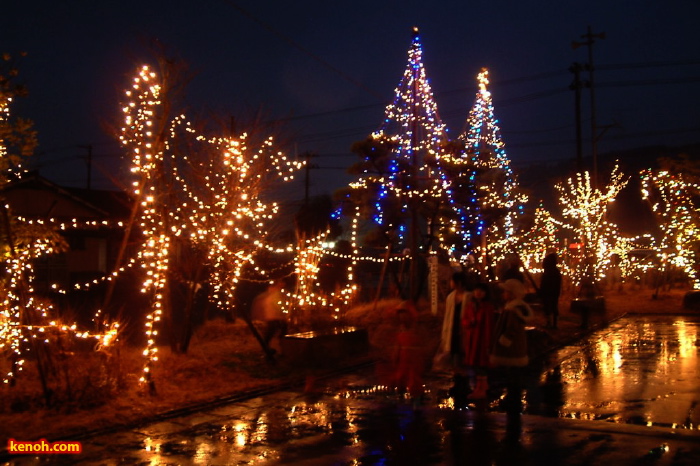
[(408, 358), (476, 331)]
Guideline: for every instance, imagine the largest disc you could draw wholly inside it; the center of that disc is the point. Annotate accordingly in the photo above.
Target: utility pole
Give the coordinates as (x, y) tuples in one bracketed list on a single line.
[(576, 86), (307, 180), (590, 40), (89, 164)]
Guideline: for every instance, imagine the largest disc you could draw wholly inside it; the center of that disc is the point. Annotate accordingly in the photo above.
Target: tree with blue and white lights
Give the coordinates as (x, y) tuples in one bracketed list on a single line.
[(408, 184), (500, 200)]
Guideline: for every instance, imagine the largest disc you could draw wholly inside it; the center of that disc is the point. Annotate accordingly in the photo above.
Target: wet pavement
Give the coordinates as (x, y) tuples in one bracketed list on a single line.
[(626, 395)]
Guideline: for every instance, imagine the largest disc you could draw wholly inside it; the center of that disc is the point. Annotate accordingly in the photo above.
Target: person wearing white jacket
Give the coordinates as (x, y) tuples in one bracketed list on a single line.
[(450, 349), (450, 353)]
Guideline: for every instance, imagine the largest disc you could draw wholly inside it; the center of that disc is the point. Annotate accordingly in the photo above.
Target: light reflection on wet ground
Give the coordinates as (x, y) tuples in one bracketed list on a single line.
[(641, 371)]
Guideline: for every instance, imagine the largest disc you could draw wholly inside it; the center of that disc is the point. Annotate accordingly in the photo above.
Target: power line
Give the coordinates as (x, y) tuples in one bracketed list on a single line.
[(510, 101), (73, 147), (650, 82), (653, 64), (498, 103), (367, 129), (608, 137)]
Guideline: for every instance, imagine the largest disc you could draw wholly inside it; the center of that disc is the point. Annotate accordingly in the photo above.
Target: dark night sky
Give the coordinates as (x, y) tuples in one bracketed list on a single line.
[(306, 58)]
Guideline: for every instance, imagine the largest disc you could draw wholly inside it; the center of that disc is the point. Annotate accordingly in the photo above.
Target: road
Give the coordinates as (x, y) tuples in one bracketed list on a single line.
[(625, 395)]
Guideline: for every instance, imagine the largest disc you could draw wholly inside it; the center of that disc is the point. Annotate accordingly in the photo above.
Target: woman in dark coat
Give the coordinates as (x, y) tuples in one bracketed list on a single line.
[(550, 289)]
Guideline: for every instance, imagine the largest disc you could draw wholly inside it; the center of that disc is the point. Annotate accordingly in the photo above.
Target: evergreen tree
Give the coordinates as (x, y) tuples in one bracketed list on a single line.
[(403, 187), (501, 202)]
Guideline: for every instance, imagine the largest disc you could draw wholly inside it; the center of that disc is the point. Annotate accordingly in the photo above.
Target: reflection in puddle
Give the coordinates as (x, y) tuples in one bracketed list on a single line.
[(642, 370)]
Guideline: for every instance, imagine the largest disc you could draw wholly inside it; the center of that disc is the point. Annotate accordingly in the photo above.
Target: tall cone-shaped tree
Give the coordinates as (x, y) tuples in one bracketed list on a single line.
[(501, 201), (402, 187)]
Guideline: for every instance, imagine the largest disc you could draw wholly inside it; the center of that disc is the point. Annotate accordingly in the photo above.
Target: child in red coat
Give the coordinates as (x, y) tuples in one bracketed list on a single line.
[(408, 356), (477, 328)]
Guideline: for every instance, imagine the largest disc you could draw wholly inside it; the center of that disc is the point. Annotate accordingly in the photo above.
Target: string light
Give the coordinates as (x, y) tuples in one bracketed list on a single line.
[(586, 207), (671, 197), (500, 201), (196, 192)]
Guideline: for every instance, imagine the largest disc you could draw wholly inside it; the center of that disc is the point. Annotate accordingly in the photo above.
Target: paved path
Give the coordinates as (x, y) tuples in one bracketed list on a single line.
[(627, 395)]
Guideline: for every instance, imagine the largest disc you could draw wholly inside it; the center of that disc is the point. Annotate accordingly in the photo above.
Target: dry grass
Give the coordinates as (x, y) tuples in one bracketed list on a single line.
[(224, 359), (211, 369)]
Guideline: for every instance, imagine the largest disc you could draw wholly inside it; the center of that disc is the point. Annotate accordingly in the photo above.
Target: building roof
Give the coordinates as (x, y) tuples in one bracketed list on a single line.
[(35, 196)]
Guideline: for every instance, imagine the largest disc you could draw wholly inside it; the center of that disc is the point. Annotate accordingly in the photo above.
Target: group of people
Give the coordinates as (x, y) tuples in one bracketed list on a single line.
[(483, 331), (477, 335), (481, 334)]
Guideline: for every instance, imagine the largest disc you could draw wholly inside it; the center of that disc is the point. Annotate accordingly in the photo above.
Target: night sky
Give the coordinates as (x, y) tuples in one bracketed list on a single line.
[(328, 69)]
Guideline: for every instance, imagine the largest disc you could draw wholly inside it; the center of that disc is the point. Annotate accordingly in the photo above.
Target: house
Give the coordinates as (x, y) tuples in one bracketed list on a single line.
[(96, 220)]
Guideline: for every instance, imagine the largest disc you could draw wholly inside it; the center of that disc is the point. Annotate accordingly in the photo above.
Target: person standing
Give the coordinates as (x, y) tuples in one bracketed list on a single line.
[(267, 307), (513, 270), (509, 351), (550, 289), (477, 327), (450, 353), (408, 355)]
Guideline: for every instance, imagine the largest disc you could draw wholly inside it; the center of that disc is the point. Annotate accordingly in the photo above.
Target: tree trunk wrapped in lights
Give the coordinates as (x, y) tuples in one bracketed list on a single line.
[(198, 198)]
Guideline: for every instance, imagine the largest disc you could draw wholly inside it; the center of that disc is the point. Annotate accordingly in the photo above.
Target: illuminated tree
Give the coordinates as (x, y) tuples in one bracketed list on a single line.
[(223, 212), (145, 136), (402, 187), (19, 309), (461, 225), (539, 240), (320, 273), (501, 202), (672, 199), (201, 216), (17, 136), (585, 208), (29, 323)]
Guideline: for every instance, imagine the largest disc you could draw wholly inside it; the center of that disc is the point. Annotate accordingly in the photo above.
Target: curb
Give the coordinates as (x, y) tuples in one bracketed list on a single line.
[(219, 401)]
